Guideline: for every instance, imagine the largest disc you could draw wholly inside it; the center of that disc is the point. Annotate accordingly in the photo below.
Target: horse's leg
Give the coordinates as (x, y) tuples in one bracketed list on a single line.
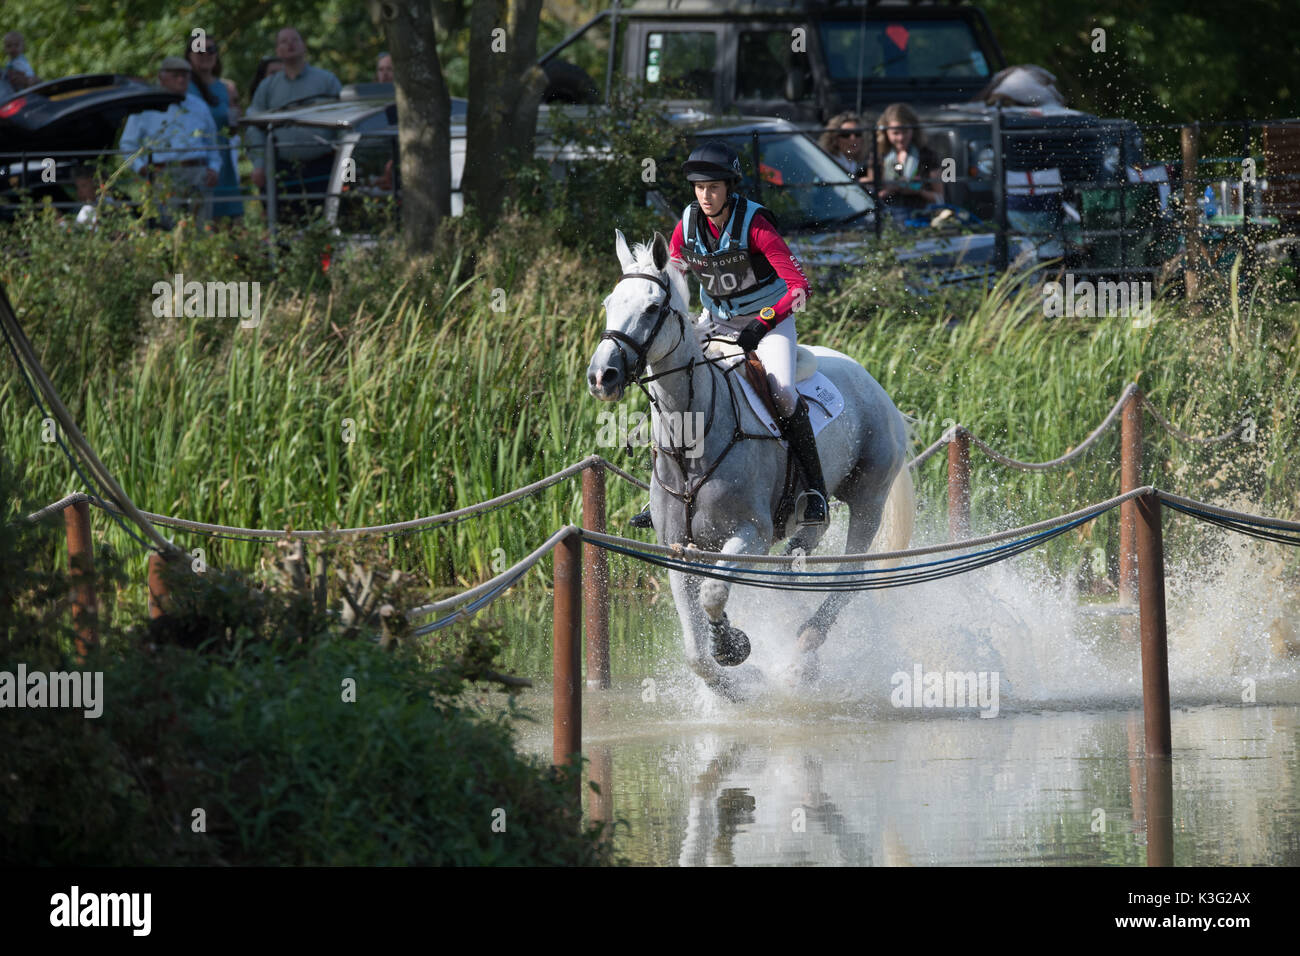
[(731, 645), (697, 635), (866, 498)]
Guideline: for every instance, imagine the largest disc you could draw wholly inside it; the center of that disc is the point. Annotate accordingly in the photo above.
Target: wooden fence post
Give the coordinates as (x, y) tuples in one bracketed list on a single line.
[(566, 650), (1155, 642), (595, 571), (959, 484), (81, 564), (1130, 477)]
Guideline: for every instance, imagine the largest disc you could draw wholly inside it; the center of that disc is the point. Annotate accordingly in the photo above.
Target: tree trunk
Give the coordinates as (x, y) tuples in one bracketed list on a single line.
[(424, 117), (505, 88)]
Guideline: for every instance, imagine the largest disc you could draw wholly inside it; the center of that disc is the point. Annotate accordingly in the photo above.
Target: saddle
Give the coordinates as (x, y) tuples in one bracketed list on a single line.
[(805, 367), (756, 375)]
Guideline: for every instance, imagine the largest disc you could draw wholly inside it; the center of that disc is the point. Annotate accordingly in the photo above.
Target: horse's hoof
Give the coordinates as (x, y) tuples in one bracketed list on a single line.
[(807, 670), (730, 644), (810, 638)]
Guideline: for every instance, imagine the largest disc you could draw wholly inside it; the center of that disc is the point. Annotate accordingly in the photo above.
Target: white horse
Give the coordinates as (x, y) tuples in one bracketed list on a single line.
[(724, 496)]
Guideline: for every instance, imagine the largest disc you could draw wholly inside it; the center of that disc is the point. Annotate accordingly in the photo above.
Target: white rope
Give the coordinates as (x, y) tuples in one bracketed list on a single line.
[(1277, 523), (1182, 435), (488, 585), (27, 355), (1083, 446), (693, 554), (944, 439), (59, 505)]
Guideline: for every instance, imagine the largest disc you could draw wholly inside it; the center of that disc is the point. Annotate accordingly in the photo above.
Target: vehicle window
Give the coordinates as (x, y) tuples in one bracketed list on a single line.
[(794, 174), (763, 57), (901, 48), (364, 204), (680, 64)]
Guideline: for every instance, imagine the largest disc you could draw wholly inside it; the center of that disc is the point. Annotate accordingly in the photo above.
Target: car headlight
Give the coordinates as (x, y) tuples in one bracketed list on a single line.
[(1110, 159)]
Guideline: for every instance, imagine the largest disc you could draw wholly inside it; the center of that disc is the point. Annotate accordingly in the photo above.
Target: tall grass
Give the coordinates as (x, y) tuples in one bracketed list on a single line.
[(463, 376)]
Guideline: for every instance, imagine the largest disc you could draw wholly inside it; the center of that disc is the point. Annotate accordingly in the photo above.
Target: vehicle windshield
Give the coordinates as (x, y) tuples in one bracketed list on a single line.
[(901, 49), (796, 181)]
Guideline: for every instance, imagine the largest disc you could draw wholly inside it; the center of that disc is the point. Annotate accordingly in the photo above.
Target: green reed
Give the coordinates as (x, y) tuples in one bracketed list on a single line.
[(389, 390)]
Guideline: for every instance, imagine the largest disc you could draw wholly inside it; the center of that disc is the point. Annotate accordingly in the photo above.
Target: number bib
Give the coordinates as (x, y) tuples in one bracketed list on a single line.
[(723, 274)]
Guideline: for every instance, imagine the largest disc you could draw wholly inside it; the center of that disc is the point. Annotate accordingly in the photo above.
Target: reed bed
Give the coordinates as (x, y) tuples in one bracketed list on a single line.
[(385, 390)]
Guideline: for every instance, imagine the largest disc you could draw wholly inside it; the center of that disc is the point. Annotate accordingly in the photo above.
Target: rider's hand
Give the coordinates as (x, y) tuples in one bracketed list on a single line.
[(750, 335)]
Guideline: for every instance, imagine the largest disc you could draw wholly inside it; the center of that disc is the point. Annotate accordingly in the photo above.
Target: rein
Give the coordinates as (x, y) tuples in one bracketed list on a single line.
[(690, 495)]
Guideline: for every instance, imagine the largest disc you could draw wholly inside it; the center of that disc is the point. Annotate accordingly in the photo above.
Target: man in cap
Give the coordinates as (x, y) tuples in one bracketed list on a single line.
[(177, 144)]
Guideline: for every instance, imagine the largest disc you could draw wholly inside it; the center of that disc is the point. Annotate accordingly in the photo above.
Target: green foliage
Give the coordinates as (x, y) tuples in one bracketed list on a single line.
[(256, 730), (459, 392), (634, 150)]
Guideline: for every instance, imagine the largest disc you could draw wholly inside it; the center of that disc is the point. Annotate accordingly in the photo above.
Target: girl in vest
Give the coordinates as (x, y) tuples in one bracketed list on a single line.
[(750, 284)]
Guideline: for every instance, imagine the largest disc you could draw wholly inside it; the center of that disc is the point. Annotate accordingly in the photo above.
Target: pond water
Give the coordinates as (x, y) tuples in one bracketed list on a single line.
[(883, 760)]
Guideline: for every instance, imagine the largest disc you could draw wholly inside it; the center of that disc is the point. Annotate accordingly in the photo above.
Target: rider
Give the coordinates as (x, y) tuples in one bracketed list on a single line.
[(750, 283)]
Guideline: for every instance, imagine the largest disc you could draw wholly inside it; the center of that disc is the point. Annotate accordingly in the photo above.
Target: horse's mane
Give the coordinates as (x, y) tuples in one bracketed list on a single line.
[(675, 273)]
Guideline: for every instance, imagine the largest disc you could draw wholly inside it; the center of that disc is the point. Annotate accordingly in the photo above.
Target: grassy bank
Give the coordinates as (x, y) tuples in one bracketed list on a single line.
[(384, 389)]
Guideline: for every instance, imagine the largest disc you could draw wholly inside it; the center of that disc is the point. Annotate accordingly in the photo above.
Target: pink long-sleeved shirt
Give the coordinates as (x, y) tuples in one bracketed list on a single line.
[(765, 240)]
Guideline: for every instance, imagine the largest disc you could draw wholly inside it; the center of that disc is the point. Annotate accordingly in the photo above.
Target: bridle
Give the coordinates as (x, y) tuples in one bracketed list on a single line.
[(639, 350)]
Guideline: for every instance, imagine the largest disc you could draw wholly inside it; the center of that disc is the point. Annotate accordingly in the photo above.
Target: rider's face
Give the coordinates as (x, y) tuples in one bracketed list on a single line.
[(712, 196)]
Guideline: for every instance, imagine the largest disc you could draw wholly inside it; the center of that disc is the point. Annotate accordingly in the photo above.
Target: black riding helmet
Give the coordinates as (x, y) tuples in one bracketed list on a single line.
[(711, 162)]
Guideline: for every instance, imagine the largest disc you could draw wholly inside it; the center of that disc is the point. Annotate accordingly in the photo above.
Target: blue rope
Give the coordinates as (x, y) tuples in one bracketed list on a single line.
[(1255, 529), (473, 607), (887, 577)]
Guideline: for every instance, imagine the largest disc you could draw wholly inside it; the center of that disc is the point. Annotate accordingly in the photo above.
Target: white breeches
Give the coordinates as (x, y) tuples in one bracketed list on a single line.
[(776, 349)]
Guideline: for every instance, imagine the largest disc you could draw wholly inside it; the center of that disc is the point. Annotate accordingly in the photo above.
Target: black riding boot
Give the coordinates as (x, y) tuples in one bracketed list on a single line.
[(798, 431), (642, 519)]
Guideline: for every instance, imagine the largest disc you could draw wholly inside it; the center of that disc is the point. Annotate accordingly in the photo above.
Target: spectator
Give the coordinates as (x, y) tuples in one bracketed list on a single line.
[(909, 170), (17, 74), (384, 69), (845, 139), (265, 67), (303, 162), (205, 82), (177, 144)]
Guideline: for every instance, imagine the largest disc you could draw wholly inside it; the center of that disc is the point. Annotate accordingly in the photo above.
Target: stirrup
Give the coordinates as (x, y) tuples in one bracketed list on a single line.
[(815, 510), (642, 519)]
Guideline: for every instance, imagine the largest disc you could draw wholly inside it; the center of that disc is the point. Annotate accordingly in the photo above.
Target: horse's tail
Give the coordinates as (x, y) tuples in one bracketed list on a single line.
[(899, 517)]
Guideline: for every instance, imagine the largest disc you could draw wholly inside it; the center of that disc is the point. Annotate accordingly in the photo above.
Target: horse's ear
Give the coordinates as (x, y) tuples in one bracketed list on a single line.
[(624, 253), (659, 249)]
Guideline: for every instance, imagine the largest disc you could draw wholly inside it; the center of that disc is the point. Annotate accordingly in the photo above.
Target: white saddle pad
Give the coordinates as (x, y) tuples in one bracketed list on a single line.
[(824, 400)]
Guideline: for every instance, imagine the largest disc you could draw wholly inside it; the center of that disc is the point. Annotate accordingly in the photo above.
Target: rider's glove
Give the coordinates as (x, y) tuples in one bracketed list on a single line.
[(750, 335)]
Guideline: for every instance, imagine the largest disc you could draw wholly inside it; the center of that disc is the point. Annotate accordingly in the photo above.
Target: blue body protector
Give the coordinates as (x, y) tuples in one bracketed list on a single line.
[(735, 283)]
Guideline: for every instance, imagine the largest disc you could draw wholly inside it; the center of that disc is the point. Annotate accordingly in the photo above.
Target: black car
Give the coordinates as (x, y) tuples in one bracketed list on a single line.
[(73, 121)]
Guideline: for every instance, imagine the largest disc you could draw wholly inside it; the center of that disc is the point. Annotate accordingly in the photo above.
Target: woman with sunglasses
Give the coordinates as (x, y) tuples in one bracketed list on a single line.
[(845, 142)]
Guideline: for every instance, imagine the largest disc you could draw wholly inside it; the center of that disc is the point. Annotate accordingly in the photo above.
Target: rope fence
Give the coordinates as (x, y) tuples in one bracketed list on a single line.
[(575, 548)]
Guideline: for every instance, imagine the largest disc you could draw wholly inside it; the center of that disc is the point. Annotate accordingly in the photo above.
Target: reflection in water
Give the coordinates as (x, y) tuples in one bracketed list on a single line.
[(780, 788)]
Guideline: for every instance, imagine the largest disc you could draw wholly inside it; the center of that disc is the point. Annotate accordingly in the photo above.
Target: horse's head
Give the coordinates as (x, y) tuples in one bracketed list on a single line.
[(639, 326)]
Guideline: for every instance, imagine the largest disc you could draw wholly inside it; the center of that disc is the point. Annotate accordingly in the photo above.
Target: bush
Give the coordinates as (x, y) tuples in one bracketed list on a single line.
[(240, 704)]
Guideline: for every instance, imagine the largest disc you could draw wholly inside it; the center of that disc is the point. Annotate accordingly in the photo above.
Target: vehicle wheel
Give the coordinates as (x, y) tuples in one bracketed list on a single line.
[(568, 83)]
